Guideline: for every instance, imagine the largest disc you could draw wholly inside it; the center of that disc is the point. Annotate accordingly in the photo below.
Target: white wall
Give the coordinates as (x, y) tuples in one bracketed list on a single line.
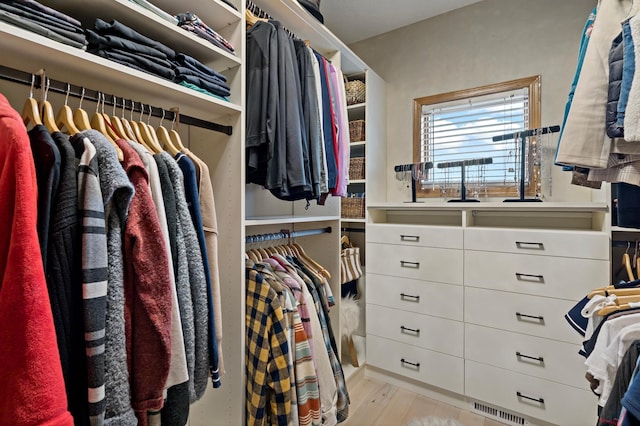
[(488, 42)]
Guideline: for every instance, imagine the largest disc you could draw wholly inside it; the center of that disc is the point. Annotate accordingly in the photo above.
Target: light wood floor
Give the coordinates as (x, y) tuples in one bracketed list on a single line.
[(375, 403)]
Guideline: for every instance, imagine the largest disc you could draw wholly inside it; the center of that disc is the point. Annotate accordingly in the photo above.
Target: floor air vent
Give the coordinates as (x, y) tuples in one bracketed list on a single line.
[(500, 415)]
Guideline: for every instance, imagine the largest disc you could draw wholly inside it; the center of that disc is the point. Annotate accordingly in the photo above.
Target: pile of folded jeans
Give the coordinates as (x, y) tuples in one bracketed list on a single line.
[(39, 19), (190, 22), (190, 72), (119, 43)]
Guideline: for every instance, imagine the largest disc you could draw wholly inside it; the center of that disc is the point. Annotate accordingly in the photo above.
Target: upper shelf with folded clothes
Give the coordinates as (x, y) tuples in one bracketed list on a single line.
[(212, 43), (29, 51)]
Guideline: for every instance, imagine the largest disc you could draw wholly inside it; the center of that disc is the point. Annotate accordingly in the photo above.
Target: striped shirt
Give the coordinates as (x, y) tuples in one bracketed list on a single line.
[(304, 380), (94, 274), (268, 384)]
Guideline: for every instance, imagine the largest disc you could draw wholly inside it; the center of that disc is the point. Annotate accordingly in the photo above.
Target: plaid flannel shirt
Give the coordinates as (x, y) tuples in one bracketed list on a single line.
[(267, 371)]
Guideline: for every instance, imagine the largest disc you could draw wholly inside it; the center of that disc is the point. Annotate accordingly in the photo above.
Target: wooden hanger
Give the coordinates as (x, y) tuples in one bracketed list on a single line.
[(165, 140), (65, 116), (80, 116), (253, 255), (98, 123), (30, 110), (345, 240), (173, 133), (116, 123), (626, 261), (136, 129), (622, 303), (126, 124), (47, 110), (315, 264), (149, 134)]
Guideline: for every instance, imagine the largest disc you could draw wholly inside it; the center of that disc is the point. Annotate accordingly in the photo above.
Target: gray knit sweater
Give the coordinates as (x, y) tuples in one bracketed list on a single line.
[(197, 282), (117, 193)]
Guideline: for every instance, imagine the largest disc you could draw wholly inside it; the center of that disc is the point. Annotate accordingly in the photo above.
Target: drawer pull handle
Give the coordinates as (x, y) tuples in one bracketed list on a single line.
[(529, 277), (414, 265), (411, 238), (416, 365), (534, 358), (408, 296), (529, 246), (404, 329), (534, 317), (538, 400)]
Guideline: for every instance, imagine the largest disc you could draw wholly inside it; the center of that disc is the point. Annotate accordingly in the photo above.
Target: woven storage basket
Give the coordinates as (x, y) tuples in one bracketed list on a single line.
[(356, 168), (353, 208), (356, 131), (355, 91)]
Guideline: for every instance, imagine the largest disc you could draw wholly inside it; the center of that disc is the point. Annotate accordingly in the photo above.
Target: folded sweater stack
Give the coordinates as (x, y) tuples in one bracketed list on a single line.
[(121, 44), (190, 71), (45, 21)]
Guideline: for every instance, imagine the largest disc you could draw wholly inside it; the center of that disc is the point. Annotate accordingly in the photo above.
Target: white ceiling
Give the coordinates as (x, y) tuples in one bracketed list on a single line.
[(355, 20)]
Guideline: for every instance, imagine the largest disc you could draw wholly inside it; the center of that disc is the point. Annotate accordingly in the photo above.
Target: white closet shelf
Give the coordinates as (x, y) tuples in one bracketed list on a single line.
[(151, 25), (344, 219), (357, 181), (296, 19), (359, 143), (355, 107), (622, 229), (28, 50), (283, 220), (494, 206)]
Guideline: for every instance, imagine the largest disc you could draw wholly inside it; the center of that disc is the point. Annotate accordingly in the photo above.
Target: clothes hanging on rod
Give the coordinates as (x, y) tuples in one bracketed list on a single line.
[(118, 43), (297, 123), (21, 77), (612, 340), (292, 287), (113, 329)]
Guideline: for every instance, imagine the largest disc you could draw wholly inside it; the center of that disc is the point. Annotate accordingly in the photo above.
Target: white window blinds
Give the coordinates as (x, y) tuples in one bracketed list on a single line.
[(462, 130)]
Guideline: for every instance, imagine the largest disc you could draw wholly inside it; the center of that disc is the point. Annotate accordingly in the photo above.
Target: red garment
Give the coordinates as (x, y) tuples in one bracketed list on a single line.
[(147, 287), (32, 388)]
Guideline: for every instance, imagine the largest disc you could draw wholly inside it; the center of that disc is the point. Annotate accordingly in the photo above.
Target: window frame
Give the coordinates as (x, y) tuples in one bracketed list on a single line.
[(533, 84)]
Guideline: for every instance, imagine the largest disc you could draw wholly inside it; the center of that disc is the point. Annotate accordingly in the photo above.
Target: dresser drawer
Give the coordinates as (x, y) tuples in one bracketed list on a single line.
[(535, 356), (565, 277), (533, 315), (424, 263), (436, 299), (412, 235), (580, 244), (552, 402), (423, 365), (437, 334)]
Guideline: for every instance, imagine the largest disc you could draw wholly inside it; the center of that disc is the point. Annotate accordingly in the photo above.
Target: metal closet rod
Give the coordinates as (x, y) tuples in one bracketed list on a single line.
[(285, 235), (17, 76)]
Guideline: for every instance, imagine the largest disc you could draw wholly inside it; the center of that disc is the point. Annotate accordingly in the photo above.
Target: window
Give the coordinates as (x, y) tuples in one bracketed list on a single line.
[(458, 127)]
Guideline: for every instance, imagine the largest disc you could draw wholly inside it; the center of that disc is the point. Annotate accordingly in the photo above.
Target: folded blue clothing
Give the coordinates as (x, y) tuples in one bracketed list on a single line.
[(49, 11), (201, 90), (28, 25), (139, 61), (213, 88), (50, 24), (189, 62), (188, 71), (110, 42), (117, 29), (42, 16)]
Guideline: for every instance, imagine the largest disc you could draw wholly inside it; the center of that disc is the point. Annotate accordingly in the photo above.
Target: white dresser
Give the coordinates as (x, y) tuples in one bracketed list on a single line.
[(470, 300)]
